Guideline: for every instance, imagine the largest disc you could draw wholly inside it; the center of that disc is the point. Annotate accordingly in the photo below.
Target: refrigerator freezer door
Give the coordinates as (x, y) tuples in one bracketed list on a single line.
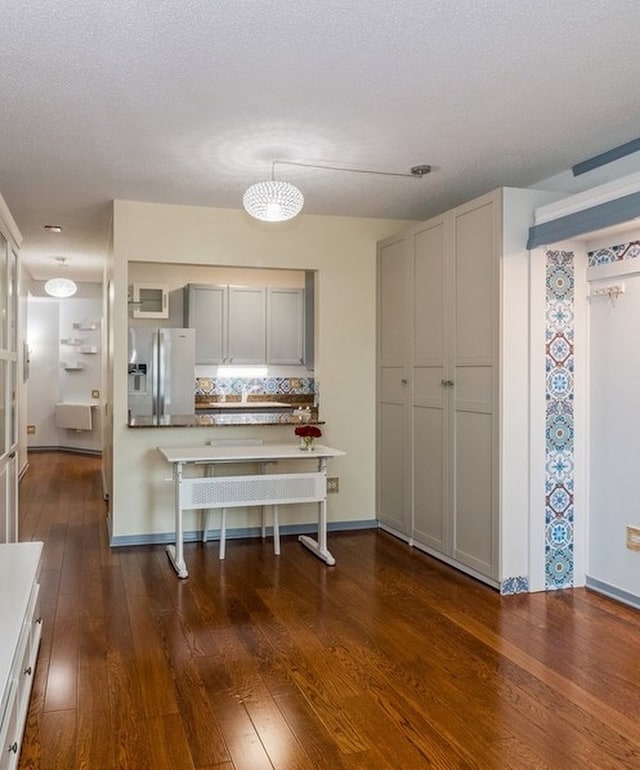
[(141, 371)]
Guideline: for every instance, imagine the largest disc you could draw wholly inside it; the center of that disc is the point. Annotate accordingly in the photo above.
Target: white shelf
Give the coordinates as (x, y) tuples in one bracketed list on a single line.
[(86, 326), (88, 350)]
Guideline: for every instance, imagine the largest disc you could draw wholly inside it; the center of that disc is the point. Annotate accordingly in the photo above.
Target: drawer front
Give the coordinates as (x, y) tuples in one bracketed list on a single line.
[(16, 705), (10, 746)]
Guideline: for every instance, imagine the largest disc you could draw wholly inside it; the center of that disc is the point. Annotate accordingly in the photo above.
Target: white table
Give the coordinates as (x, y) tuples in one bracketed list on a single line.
[(259, 489)]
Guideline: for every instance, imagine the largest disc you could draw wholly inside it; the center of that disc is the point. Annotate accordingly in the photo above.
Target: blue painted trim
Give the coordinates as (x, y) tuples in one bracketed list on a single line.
[(193, 536), (594, 218), (621, 151), (614, 593)]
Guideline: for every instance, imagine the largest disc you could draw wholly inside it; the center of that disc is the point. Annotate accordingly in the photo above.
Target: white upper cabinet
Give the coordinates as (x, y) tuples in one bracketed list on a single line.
[(247, 332), (285, 326), (246, 324), (205, 310), (149, 301)]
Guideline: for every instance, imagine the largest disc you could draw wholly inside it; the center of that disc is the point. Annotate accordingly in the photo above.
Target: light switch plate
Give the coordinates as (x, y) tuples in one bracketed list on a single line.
[(633, 538)]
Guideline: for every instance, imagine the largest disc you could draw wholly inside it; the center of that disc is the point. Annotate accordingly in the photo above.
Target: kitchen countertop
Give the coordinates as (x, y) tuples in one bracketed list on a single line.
[(230, 417)]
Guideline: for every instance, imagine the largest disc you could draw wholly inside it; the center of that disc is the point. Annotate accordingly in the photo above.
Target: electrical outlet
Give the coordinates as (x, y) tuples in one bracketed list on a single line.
[(633, 538), (333, 484), (31, 430), (95, 393)]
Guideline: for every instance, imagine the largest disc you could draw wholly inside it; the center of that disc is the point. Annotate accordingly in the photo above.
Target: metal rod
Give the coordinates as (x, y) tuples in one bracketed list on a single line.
[(417, 172)]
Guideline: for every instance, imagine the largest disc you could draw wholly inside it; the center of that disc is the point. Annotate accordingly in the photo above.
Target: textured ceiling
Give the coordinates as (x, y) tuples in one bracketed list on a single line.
[(189, 102)]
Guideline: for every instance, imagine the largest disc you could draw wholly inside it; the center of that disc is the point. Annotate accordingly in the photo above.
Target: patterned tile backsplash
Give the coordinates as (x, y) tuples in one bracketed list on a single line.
[(266, 386), (620, 253)]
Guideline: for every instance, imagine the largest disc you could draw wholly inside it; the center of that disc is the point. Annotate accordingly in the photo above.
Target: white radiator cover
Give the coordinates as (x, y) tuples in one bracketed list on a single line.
[(236, 491)]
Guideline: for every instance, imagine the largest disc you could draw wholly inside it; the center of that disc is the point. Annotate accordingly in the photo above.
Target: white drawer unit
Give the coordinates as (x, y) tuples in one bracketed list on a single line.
[(20, 629)]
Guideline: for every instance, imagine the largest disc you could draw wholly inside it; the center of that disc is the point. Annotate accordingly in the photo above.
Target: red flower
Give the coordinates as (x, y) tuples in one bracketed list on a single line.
[(311, 431)]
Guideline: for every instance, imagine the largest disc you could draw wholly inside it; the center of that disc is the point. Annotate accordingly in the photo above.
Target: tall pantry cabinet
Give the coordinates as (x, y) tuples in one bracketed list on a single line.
[(10, 377), (453, 384)]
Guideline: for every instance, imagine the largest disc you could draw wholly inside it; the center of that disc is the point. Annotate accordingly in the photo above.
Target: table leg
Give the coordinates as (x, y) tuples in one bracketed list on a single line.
[(319, 546), (176, 552)]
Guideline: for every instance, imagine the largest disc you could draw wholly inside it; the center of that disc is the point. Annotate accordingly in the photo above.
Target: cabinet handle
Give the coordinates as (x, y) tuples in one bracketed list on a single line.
[(14, 747), (446, 383), (404, 381), (28, 671), (39, 620)]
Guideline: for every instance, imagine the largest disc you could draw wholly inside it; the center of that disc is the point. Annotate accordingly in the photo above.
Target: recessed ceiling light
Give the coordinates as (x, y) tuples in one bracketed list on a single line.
[(53, 228)]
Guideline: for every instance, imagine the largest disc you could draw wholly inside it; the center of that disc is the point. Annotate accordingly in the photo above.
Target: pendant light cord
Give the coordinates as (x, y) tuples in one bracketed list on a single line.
[(416, 172)]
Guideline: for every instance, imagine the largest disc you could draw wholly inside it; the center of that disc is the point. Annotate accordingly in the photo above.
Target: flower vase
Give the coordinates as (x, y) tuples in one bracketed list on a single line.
[(306, 443)]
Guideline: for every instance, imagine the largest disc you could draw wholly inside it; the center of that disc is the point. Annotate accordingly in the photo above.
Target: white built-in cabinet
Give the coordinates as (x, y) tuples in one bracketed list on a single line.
[(9, 243), (452, 322), (246, 324), (20, 633)]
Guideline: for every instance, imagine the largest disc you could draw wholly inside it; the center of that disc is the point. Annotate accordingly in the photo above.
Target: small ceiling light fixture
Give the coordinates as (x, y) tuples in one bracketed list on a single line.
[(60, 288), (274, 201), (52, 228)]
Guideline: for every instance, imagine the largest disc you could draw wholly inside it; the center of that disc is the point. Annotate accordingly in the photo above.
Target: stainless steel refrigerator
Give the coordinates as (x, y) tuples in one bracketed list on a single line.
[(161, 378)]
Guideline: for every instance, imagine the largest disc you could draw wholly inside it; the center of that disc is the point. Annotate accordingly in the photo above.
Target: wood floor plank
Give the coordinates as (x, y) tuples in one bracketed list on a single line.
[(62, 676), (389, 659), (94, 744)]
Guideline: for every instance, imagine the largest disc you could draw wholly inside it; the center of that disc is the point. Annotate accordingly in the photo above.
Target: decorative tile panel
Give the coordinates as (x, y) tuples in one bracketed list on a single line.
[(514, 585), (559, 420), (272, 386), (620, 253)]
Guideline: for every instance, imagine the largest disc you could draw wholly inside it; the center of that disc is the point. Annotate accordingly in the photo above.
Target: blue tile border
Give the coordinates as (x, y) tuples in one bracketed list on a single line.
[(620, 253), (514, 585)]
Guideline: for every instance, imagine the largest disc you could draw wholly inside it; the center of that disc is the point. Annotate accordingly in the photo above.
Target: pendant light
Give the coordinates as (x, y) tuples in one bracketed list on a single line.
[(275, 201), (61, 288)]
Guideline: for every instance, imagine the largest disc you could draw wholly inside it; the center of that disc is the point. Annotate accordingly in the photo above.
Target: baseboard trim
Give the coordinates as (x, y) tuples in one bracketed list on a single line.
[(440, 556), (612, 592), (69, 449), (162, 538)]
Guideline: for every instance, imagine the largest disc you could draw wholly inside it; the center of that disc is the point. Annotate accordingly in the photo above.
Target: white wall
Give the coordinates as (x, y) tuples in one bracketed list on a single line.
[(343, 251), (49, 321), (614, 500)]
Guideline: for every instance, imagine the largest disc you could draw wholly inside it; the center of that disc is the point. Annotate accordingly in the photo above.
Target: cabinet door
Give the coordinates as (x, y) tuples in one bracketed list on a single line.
[(247, 333), (285, 326), (431, 394), (393, 304), (150, 301), (394, 448), (205, 311), (475, 456), (393, 424)]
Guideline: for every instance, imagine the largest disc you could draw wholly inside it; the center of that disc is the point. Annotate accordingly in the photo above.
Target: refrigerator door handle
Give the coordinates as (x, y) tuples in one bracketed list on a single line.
[(159, 405)]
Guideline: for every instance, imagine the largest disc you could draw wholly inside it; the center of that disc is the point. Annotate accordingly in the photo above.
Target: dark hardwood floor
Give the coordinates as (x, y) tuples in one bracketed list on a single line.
[(387, 660)]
